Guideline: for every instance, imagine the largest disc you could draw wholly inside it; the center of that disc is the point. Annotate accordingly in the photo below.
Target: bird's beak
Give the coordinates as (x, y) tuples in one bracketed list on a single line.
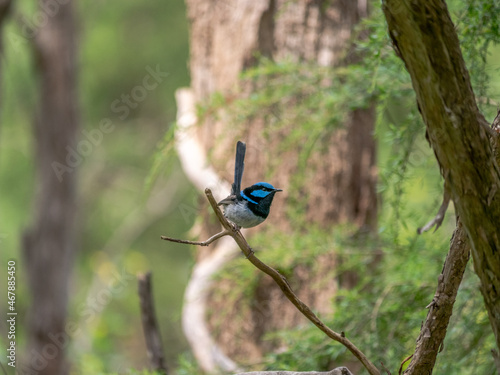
[(277, 190)]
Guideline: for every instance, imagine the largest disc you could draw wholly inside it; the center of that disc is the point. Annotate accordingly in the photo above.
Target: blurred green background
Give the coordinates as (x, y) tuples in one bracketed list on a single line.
[(122, 217)]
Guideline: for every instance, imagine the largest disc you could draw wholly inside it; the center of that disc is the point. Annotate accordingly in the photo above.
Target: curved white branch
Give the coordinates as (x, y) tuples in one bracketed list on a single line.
[(194, 163), (191, 153)]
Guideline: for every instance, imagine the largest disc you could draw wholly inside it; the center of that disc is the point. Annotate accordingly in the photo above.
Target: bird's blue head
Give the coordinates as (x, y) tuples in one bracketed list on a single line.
[(260, 194)]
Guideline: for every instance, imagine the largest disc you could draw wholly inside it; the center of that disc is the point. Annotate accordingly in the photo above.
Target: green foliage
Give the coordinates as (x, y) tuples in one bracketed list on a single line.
[(479, 27), (119, 43), (382, 315), (187, 365)]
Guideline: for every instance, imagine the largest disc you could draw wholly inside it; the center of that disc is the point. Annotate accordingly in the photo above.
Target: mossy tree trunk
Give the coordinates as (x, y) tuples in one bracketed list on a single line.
[(338, 183), (425, 38)]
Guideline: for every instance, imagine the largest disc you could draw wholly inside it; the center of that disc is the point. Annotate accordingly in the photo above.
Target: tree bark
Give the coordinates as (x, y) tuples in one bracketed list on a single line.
[(49, 245), (425, 38), (340, 180), (434, 328)]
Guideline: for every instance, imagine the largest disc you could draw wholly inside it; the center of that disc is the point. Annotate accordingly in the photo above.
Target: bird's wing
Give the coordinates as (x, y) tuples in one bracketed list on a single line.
[(228, 200)]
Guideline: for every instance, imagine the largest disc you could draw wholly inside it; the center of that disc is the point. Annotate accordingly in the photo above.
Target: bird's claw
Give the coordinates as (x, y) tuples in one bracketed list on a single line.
[(236, 227)]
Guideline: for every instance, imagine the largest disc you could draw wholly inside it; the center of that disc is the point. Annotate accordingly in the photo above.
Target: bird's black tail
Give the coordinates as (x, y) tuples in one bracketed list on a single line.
[(239, 166)]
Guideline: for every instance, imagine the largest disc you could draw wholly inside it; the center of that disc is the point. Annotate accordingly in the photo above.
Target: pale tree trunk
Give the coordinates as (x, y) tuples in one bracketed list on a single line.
[(49, 244), (425, 38), (225, 37)]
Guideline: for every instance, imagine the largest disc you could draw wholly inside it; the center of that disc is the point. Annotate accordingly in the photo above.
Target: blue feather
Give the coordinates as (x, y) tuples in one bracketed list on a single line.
[(260, 193), (265, 185), (247, 198)]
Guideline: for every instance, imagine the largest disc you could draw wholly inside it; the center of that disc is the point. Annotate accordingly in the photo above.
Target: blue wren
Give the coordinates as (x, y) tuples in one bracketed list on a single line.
[(249, 207)]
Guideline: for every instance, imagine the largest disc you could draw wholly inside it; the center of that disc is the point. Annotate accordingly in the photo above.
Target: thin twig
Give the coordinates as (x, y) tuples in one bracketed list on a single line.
[(385, 368), (403, 363), (198, 243), (438, 219), (378, 304), (235, 233)]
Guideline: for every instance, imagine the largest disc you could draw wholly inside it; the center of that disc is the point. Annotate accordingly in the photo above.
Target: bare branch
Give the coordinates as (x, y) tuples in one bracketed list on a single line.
[(150, 325), (433, 330), (235, 233), (438, 219), (403, 363), (385, 369), (197, 243)]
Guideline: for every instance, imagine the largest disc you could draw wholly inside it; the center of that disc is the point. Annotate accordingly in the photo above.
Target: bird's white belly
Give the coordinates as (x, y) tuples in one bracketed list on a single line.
[(241, 215)]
